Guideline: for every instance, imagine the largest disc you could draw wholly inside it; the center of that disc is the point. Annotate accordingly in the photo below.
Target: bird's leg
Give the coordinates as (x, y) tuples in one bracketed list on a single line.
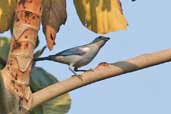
[(71, 68), (77, 70)]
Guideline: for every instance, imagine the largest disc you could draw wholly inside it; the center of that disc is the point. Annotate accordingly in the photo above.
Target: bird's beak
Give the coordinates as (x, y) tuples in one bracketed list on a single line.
[(107, 38)]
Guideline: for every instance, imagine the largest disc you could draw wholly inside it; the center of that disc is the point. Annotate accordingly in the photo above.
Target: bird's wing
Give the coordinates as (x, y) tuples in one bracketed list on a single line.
[(74, 51)]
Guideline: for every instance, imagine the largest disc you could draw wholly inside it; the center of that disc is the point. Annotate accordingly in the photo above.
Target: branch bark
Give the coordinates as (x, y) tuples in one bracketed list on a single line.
[(101, 72)]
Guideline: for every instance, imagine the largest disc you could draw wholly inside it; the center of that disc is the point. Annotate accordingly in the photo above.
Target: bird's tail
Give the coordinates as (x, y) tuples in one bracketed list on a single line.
[(41, 59)]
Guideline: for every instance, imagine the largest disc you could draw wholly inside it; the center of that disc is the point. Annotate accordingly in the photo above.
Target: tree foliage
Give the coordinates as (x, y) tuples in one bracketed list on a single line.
[(100, 16), (39, 80)]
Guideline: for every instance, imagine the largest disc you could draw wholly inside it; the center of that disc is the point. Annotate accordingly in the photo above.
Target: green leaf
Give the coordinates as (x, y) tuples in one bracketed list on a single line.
[(39, 52), (59, 105), (4, 50), (2, 104), (4, 47), (37, 110), (37, 41)]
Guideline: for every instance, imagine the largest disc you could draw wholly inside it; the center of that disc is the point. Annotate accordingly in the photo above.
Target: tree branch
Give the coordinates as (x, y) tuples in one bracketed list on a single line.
[(101, 72)]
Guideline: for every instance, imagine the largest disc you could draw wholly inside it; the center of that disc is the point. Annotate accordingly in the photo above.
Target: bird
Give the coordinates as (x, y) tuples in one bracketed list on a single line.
[(79, 56)]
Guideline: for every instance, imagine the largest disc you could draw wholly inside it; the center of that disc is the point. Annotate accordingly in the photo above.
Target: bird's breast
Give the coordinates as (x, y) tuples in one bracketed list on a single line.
[(88, 57), (85, 49), (59, 58)]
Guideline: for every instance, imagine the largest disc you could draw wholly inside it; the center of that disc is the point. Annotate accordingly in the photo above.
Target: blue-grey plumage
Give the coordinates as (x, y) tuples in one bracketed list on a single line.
[(78, 56)]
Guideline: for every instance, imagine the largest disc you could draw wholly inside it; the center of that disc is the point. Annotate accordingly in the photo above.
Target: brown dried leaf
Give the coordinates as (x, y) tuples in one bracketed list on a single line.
[(50, 34), (54, 15)]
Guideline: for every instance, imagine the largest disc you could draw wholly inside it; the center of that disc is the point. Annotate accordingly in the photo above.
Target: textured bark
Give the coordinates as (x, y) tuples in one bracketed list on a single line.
[(101, 72), (16, 74)]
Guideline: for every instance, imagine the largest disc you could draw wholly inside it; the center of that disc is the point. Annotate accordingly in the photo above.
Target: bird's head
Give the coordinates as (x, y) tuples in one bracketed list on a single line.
[(101, 38), (100, 41)]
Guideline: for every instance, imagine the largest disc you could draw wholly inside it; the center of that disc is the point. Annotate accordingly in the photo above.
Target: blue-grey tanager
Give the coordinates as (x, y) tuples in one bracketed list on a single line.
[(77, 57)]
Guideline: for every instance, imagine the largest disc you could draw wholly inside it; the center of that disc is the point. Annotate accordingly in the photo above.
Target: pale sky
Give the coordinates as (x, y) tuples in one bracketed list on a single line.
[(142, 92)]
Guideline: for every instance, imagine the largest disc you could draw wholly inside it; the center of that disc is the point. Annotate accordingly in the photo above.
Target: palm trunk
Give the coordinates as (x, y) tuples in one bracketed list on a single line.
[(17, 96)]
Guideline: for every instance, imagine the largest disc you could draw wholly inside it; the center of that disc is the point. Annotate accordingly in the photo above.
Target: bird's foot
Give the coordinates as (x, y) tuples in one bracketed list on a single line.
[(78, 76), (90, 69)]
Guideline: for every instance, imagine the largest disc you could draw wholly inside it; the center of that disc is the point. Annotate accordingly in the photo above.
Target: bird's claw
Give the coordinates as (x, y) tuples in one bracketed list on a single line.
[(78, 76), (90, 69)]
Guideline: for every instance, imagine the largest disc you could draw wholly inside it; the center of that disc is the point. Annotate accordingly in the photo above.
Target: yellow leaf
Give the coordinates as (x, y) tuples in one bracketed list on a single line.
[(7, 9), (101, 16)]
